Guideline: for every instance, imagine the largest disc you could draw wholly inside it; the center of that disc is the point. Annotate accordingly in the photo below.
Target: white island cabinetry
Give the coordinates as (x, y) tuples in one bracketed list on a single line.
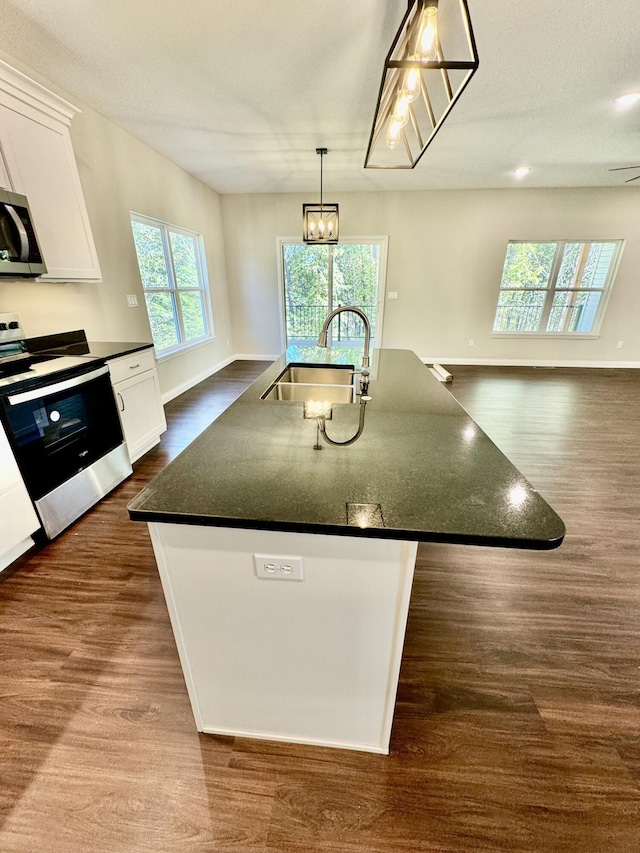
[(288, 572), (314, 661), (37, 160), (18, 519), (135, 384)]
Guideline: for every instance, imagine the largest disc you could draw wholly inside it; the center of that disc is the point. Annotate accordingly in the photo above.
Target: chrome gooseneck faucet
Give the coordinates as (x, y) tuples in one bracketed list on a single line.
[(322, 427), (322, 339)]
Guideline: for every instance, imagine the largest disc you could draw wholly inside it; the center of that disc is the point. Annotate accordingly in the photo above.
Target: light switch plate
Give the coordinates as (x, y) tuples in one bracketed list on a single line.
[(132, 300), (271, 567)]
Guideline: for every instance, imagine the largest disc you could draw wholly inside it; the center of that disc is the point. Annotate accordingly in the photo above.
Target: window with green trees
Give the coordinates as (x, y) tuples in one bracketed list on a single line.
[(174, 281), (558, 287)]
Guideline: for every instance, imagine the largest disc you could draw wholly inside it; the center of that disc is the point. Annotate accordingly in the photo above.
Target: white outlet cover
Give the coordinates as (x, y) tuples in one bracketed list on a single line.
[(279, 568)]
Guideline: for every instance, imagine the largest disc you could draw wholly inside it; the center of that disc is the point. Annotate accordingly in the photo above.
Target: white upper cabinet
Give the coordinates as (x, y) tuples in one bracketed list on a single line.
[(38, 161), (5, 183)]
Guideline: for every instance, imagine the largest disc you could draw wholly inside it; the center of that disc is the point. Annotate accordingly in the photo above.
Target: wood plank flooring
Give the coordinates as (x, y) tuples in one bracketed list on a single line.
[(517, 726)]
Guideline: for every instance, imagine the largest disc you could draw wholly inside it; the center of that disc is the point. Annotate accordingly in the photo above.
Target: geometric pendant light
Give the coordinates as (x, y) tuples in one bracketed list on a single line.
[(320, 222), (431, 60)]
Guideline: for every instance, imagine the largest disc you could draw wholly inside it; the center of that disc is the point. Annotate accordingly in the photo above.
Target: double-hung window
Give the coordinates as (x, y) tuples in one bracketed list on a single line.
[(174, 280), (554, 288)]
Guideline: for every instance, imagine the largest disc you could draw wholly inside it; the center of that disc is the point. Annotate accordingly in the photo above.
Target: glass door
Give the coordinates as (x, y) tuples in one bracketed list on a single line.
[(317, 279)]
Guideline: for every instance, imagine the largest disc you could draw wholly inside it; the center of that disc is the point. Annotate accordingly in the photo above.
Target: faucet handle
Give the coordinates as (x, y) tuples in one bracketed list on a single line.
[(364, 381)]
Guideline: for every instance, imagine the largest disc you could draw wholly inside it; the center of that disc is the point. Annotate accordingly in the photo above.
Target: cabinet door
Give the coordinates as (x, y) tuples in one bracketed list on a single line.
[(141, 412), (5, 181), (18, 519), (42, 166)]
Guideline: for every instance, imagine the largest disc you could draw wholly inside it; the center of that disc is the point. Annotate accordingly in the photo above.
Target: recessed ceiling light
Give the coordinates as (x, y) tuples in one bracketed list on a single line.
[(628, 100), (521, 172)]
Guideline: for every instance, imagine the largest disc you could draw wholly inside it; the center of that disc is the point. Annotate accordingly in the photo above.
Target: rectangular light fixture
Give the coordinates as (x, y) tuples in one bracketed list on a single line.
[(320, 222), (431, 60)]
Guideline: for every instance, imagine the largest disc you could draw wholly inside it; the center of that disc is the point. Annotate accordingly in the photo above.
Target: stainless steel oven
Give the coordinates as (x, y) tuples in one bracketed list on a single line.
[(63, 426)]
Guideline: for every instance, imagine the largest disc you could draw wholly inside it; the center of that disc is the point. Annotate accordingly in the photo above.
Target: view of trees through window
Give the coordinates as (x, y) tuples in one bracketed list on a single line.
[(320, 278), (174, 288), (555, 287)]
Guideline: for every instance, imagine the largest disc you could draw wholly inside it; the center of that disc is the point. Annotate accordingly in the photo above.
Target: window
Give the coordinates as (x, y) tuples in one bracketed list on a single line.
[(174, 280), (555, 288)]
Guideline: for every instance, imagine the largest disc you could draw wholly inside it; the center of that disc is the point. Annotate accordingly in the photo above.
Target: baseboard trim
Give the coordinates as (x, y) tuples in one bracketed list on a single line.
[(530, 362), (490, 362), (190, 383), (194, 380), (242, 356)]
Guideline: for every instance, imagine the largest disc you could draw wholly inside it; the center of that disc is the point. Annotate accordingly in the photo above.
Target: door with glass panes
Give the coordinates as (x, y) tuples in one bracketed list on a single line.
[(317, 279)]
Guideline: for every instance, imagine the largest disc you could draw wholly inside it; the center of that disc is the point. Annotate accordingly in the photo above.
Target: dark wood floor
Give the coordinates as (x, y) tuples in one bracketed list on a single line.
[(518, 718)]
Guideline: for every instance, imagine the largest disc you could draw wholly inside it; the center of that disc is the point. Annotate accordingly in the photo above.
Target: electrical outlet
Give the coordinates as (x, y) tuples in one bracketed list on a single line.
[(273, 567), (471, 342), (619, 344)]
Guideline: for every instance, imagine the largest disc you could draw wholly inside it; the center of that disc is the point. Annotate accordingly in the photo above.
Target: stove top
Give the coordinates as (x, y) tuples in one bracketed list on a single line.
[(21, 369), (45, 372)]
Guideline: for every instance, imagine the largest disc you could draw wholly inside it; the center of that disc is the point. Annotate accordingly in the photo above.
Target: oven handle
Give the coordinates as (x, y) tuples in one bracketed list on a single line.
[(36, 393)]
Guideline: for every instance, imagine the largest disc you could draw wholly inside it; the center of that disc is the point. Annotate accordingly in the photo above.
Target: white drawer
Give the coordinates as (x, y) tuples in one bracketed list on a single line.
[(131, 365)]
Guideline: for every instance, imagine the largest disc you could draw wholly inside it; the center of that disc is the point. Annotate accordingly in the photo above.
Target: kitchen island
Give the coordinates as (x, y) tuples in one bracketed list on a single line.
[(287, 570)]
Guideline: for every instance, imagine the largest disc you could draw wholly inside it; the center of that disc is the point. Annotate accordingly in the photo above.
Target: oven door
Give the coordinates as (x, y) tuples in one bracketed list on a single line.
[(61, 429)]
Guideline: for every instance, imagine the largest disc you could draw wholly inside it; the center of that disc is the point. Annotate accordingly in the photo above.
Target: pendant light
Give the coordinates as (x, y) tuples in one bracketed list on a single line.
[(432, 58), (320, 221)]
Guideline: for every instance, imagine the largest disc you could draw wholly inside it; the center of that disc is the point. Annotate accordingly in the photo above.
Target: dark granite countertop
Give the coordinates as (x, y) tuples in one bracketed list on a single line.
[(433, 473), (75, 343)]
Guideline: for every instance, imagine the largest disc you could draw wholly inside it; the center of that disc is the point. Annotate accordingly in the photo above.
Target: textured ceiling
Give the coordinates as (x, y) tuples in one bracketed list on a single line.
[(240, 94)]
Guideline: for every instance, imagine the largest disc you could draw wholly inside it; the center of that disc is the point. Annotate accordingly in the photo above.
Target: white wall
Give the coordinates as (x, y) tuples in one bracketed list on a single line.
[(446, 251), (118, 174)]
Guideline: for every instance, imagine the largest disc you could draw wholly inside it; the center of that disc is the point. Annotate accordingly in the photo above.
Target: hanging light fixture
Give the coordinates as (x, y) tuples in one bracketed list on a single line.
[(320, 221), (432, 58)]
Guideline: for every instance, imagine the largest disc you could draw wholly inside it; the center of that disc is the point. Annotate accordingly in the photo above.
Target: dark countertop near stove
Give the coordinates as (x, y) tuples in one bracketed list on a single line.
[(76, 343), (422, 467)]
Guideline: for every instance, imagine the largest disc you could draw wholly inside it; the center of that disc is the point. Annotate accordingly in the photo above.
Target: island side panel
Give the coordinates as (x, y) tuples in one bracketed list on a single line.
[(314, 661)]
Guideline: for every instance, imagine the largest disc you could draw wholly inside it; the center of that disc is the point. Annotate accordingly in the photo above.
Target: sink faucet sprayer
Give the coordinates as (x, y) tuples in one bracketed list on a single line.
[(322, 340)]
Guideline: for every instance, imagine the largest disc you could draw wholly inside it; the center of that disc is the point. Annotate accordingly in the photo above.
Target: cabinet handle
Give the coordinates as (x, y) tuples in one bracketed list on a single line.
[(121, 401), (133, 366)]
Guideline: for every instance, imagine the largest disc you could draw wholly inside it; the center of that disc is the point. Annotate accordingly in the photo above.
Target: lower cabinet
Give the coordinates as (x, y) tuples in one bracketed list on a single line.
[(18, 519), (137, 392)]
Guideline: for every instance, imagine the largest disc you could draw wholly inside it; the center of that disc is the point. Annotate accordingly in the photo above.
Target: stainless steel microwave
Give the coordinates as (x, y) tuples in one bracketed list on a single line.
[(20, 254)]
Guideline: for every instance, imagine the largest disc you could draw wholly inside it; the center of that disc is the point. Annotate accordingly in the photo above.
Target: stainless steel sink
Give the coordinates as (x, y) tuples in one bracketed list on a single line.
[(333, 383)]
